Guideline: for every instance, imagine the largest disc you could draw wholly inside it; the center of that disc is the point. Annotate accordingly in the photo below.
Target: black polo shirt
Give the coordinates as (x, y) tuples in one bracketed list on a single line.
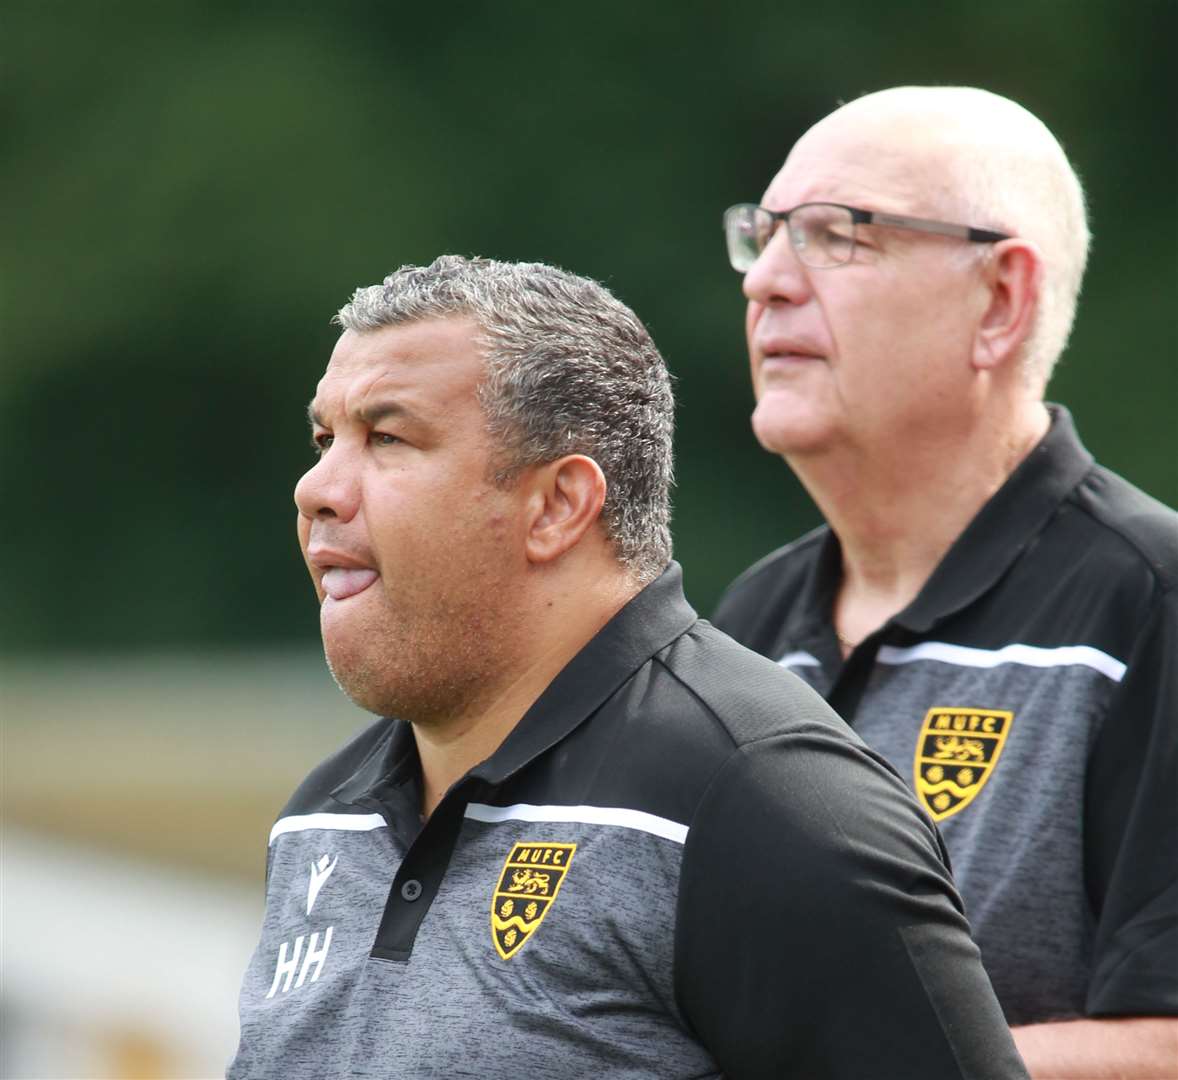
[(1029, 695), (679, 863)]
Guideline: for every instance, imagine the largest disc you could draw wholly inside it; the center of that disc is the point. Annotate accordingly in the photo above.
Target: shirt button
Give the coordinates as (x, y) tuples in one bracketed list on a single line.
[(411, 890)]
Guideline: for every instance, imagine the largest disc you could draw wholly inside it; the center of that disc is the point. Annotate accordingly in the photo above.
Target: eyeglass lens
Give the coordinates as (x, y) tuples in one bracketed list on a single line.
[(822, 234)]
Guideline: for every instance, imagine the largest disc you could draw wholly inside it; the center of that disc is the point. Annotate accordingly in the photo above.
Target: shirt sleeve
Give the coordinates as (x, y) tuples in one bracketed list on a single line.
[(1131, 830), (819, 934)]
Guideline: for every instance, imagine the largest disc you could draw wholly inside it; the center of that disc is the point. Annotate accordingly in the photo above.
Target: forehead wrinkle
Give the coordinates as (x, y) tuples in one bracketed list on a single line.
[(378, 401), (356, 393)]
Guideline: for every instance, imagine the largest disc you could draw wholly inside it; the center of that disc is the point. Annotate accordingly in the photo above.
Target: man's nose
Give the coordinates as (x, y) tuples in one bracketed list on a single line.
[(329, 489), (778, 275)]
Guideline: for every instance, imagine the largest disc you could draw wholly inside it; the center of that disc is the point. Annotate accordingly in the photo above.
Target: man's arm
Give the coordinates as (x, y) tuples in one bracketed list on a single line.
[(1132, 1048), (1131, 825), (1131, 831), (818, 933)]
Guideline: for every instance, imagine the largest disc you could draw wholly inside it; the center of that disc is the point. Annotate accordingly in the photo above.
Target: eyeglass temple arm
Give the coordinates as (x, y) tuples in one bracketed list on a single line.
[(941, 228)]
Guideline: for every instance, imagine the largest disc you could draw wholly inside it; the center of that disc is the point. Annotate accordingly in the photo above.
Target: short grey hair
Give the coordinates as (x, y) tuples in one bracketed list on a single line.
[(569, 370)]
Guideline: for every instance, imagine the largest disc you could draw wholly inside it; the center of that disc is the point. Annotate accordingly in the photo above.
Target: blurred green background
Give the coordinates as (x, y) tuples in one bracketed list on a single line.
[(192, 189)]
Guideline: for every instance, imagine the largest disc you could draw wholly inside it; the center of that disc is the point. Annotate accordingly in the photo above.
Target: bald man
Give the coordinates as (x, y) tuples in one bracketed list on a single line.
[(990, 609)]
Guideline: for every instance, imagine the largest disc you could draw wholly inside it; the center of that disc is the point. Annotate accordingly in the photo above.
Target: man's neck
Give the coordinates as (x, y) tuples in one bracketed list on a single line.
[(563, 623), (897, 510)]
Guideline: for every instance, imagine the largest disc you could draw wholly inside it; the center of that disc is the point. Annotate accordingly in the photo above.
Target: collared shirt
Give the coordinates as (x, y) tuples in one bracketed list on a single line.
[(1029, 695), (680, 863)]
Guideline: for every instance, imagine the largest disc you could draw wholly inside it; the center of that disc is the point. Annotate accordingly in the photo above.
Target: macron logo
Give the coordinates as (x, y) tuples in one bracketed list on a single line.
[(320, 872)]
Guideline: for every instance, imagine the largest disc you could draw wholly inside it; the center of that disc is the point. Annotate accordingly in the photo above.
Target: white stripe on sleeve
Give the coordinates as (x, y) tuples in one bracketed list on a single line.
[(338, 822)]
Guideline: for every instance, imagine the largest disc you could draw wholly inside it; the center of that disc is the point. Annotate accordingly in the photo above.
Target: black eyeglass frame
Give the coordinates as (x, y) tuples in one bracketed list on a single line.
[(860, 216)]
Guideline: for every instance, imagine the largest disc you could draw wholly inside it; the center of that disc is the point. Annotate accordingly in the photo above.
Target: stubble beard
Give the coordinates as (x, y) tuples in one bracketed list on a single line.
[(431, 663)]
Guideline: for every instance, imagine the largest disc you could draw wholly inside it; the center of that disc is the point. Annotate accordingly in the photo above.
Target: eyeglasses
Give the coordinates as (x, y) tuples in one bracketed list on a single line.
[(823, 234)]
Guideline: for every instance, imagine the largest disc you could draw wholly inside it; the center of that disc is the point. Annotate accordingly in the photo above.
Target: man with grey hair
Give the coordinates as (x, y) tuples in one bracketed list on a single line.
[(599, 837), (990, 610)]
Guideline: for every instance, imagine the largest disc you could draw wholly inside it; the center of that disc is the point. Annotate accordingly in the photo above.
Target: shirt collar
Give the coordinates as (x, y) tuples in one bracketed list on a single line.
[(392, 763), (648, 623), (1004, 527), (998, 534), (807, 621)]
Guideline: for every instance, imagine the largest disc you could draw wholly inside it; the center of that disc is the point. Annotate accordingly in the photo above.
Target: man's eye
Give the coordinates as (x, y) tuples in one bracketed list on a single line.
[(383, 438), (321, 441)]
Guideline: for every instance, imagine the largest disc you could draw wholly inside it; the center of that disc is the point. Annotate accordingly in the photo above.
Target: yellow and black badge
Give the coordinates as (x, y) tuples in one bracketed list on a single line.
[(531, 878), (955, 755)]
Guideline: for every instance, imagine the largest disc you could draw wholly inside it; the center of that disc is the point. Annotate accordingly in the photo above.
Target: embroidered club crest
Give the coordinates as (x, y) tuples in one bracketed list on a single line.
[(955, 755), (531, 878)]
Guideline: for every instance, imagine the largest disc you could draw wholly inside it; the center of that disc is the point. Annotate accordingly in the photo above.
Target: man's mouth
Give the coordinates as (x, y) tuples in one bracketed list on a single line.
[(780, 367), (788, 358), (340, 582), (786, 349)]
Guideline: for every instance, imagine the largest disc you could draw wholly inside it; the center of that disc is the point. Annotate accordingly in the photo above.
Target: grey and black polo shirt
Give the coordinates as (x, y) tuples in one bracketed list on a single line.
[(1029, 696), (680, 863)]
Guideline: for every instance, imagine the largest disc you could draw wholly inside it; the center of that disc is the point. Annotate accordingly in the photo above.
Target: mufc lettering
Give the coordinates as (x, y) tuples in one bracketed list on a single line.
[(541, 853), (946, 720)]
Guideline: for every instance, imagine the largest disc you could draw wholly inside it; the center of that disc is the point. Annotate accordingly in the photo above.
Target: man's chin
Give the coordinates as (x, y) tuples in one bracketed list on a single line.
[(786, 430), (357, 680), (404, 692)]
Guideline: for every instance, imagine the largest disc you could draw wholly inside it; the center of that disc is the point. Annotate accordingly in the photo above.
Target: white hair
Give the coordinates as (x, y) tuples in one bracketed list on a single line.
[(1006, 171)]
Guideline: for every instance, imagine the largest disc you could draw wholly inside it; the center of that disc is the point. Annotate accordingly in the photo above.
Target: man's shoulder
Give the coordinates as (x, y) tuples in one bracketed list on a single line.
[(1128, 520), (746, 695)]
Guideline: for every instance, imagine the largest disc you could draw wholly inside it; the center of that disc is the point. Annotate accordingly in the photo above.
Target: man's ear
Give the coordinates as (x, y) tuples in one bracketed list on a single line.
[(565, 501), (1014, 277)]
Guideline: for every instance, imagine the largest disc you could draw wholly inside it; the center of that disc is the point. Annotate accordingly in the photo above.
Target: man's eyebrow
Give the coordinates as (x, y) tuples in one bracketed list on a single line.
[(374, 411), (371, 412)]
